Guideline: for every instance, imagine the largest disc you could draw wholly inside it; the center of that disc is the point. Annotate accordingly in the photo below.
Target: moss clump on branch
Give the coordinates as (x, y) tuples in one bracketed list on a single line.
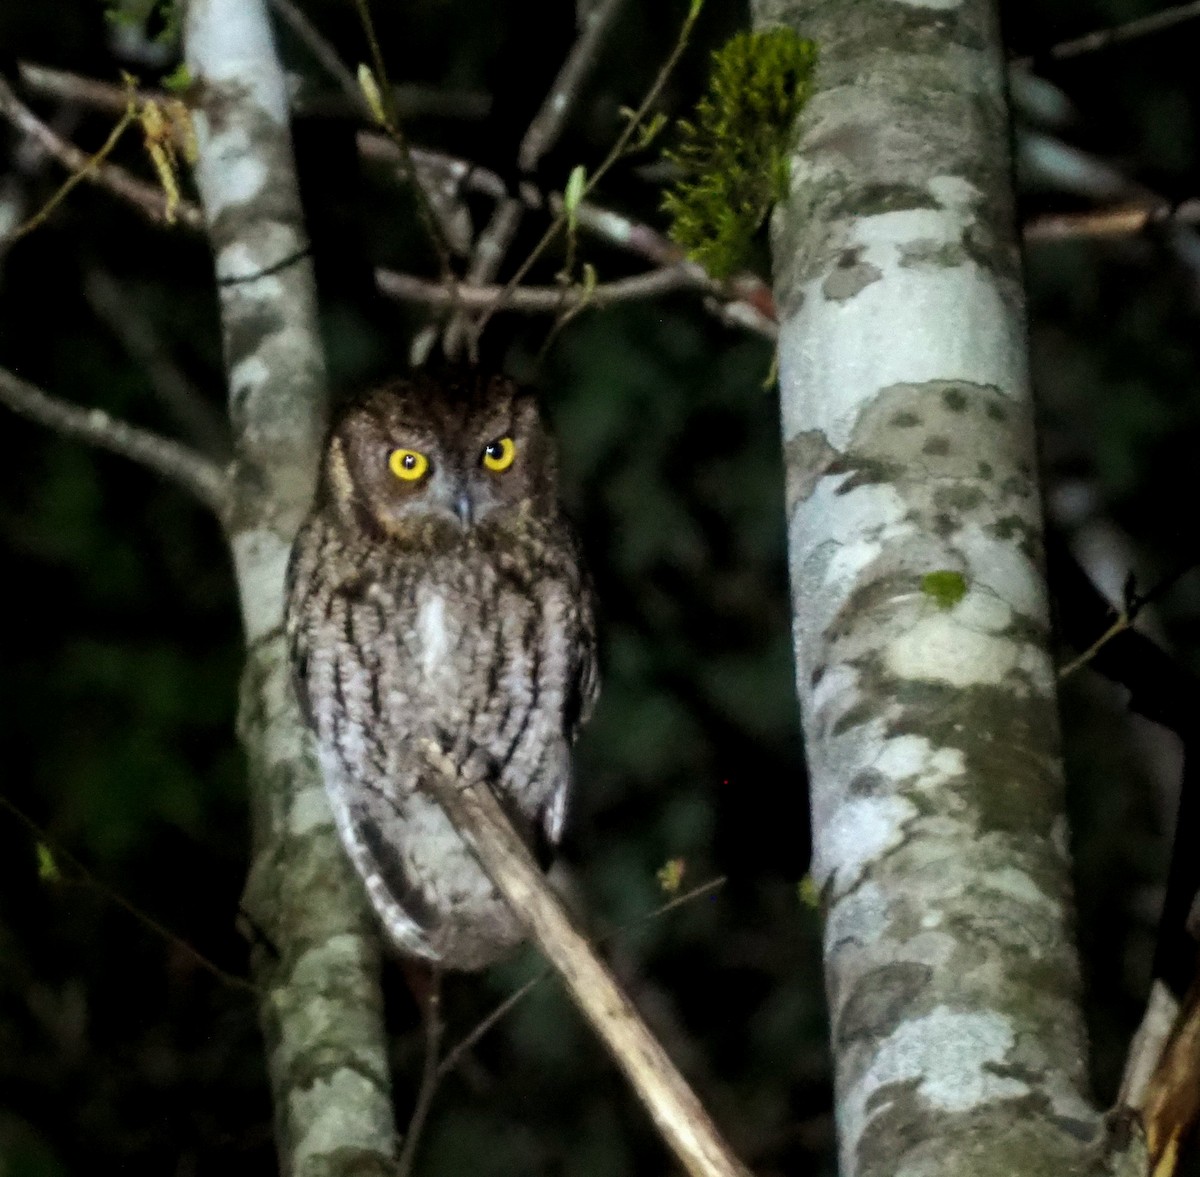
[(734, 157)]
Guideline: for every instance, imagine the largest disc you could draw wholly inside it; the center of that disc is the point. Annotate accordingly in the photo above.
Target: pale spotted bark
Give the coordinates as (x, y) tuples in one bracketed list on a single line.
[(928, 701), (318, 966)]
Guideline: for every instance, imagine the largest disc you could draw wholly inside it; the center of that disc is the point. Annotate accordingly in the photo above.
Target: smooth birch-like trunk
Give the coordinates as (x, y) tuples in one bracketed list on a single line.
[(317, 960), (921, 623)]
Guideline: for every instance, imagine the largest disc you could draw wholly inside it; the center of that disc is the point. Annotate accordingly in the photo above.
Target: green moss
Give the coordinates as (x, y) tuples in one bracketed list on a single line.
[(734, 157), (945, 586)]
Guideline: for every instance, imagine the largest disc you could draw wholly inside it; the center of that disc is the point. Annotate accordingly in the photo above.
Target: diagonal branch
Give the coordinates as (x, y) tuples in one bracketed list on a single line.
[(204, 425), (678, 1115), (177, 463), (549, 121)]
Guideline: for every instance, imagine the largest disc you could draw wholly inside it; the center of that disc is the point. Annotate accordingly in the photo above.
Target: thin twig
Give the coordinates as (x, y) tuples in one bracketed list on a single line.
[(61, 854), (391, 125), (431, 1016), (411, 101), (181, 465), (1120, 625), (549, 121), (324, 53), (148, 199), (679, 1116), (202, 423), (501, 1011), (1103, 38), (1133, 605)]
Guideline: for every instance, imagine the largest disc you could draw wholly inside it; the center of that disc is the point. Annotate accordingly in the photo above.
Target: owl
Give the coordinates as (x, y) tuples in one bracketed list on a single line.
[(435, 592)]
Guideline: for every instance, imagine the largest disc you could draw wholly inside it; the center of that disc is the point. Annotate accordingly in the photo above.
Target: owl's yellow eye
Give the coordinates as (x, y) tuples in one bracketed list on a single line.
[(500, 454), (408, 464)]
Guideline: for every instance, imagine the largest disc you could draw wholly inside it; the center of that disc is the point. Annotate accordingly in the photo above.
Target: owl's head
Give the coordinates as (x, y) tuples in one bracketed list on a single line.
[(462, 449)]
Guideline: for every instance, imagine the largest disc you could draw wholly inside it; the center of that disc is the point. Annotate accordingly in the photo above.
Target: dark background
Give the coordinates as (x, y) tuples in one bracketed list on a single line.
[(121, 653)]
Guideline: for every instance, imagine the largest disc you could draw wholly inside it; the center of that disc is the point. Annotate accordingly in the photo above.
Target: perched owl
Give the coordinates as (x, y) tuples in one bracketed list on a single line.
[(435, 592)]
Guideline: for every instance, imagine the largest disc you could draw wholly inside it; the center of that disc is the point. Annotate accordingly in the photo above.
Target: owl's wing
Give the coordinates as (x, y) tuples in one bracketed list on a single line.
[(583, 687), (377, 864)]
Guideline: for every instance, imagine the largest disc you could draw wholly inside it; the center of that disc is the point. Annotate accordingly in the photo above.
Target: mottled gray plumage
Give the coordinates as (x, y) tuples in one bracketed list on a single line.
[(448, 606)]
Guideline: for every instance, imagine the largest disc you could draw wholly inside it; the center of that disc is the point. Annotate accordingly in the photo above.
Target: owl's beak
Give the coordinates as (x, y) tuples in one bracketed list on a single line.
[(464, 509)]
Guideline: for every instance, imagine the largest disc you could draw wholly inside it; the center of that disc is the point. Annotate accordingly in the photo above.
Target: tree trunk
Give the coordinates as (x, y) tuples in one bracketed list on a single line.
[(921, 627), (317, 960)]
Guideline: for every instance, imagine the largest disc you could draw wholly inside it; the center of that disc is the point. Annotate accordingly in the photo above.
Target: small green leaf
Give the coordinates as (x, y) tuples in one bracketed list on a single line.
[(807, 893), (179, 79), (945, 586), (647, 133), (371, 92), (47, 868), (573, 194)]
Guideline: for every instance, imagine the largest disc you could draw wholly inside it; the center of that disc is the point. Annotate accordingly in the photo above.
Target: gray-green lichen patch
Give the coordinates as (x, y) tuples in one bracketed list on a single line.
[(873, 199), (998, 1137), (849, 276), (806, 457), (926, 251)]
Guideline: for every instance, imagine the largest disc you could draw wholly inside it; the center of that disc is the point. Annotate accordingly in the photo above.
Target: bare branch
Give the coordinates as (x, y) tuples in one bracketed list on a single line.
[(183, 466), (411, 101), (534, 300), (146, 198), (745, 301), (486, 258), (1118, 221), (549, 121), (1103, 38), (677, 1113), (69, 87)]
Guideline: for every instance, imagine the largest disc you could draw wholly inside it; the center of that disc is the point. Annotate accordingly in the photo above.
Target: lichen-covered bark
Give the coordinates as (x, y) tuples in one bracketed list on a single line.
[(317, 962), (928, 701)]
